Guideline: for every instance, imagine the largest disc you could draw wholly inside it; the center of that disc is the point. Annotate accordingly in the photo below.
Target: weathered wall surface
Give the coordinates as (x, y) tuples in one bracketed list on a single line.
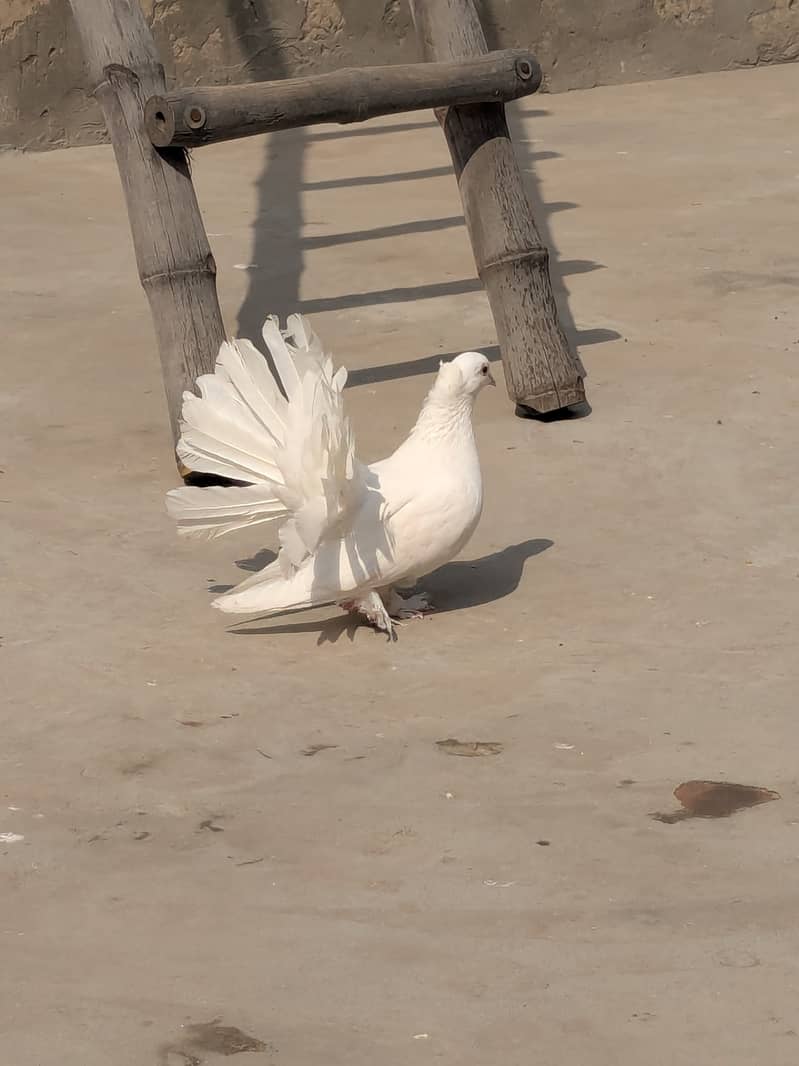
[(44, 99)]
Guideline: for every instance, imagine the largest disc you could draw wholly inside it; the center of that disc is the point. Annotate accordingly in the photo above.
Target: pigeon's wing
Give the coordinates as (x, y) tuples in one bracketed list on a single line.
[(288, 435)]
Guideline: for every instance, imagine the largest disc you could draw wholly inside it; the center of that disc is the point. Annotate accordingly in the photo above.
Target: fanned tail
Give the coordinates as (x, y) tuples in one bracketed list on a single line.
[(288, 439)]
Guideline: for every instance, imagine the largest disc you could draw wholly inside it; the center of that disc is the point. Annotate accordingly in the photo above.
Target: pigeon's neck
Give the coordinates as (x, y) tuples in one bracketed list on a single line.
[(444, 417)]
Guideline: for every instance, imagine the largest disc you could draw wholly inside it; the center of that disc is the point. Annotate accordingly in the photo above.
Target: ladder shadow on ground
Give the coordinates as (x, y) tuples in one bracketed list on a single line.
[(543, 210), (278, 245), (278, 221), (457, 586), (520, 114)]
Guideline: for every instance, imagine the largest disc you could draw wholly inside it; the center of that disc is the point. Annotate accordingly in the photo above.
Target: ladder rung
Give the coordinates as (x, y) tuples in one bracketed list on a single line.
[(209, 114)]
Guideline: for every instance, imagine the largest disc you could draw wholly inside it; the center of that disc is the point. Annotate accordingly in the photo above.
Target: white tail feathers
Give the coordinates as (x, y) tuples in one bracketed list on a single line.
[(234, 426), (214, 511), (270, 593), (290, 440)]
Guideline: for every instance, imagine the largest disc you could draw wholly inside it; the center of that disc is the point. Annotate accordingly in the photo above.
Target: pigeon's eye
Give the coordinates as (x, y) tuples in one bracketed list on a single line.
[(484, 369)]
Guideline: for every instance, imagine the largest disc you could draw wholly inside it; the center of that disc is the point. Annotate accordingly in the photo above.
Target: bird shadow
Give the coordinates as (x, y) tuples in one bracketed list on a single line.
[(473, 583), (258, 561), (456, 586), (252, 564)]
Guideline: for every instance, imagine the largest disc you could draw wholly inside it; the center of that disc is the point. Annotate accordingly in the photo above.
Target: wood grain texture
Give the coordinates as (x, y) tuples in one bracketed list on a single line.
[(208, 114), (174, 259), (541, 371)]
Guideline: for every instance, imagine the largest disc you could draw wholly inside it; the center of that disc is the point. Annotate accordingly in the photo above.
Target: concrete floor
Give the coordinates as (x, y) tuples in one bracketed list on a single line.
[(623, 621)]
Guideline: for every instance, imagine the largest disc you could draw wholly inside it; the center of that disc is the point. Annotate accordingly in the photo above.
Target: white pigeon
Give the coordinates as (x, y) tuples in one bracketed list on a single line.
[(350, 534)]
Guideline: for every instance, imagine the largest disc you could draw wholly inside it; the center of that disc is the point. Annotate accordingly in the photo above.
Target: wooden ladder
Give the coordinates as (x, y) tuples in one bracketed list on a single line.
[(462, 81)]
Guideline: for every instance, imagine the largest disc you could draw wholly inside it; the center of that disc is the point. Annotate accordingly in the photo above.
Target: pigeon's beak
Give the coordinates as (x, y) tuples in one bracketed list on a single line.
[(491, 379)]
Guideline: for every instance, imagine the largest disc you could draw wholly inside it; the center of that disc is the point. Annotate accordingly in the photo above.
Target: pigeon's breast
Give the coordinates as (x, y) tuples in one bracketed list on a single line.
[(436, 524)]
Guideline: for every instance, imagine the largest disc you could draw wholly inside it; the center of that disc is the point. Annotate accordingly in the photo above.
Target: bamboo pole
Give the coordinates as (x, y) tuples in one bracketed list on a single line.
[(541, 371), (175, 263), (206, 115)]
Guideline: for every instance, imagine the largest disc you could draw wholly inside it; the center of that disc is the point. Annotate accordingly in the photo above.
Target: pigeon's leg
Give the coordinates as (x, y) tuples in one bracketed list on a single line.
[(414, 606), (373, 610)]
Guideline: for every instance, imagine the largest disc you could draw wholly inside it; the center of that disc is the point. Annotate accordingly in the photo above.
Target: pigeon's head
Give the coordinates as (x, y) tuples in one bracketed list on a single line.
[(469, 373)]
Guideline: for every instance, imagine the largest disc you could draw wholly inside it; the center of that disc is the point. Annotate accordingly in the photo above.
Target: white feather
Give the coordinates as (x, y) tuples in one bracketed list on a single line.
[(284, 364), (250, 376), (216, 510)]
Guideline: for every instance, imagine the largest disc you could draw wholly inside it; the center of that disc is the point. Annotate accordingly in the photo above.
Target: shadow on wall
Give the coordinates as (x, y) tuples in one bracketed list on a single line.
[(278, 244)]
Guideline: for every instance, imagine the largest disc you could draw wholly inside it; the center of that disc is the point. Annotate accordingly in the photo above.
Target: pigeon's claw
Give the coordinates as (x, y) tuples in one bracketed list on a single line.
[(372, 608)]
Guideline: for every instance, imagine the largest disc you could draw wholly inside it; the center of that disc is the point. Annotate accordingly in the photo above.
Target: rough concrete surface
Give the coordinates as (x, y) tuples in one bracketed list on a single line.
[(252, 842), (45, 100)]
